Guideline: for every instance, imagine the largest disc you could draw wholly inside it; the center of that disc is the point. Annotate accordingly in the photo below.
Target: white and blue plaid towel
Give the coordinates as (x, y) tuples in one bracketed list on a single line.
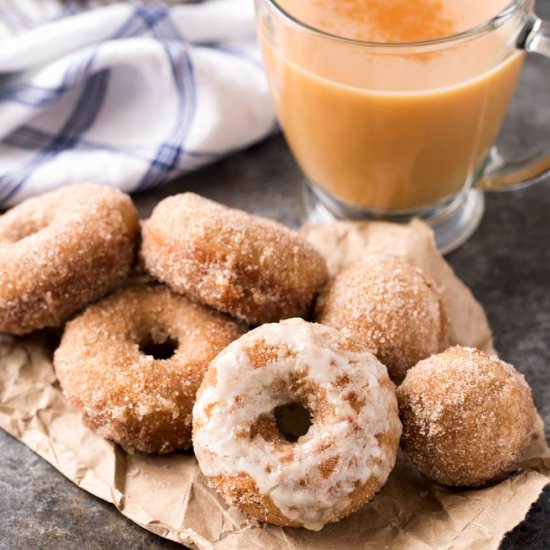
[(128, 95)]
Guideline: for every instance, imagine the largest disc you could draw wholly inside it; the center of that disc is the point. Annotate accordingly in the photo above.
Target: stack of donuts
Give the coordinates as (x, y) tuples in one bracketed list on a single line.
[(295, 389)]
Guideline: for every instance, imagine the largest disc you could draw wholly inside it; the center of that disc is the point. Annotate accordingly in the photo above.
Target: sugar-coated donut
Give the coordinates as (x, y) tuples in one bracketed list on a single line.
[(133, 362), (466, 416), (390, 308), (62, 250), (342, 460), (249, 267)]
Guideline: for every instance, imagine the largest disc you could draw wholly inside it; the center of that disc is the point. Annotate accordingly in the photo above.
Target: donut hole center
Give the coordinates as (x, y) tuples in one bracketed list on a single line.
[(158, 350), (293, 420)]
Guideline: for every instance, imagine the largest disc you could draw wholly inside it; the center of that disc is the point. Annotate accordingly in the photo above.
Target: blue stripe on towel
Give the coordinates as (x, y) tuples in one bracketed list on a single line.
[(84, 113), (184, 78), (31, 139), (169, 152), (39, 96), (31, 95), (177, 52), (142, 19)]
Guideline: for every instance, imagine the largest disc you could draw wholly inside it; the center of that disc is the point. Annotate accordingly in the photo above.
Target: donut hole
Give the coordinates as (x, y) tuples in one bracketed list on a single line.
[(158, 350), (293, 420)]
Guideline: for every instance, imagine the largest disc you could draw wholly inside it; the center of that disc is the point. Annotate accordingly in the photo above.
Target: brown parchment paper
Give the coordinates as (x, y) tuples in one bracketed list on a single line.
[(168, 496)]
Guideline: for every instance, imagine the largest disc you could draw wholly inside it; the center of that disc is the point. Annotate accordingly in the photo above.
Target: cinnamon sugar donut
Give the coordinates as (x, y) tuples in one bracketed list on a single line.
[(249, 267), (390, 308), (466, 416), (331, 469), (133, 363), (61, 251)]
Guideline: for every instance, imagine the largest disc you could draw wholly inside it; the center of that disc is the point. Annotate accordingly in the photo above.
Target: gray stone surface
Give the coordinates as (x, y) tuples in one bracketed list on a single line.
[(506, 264)]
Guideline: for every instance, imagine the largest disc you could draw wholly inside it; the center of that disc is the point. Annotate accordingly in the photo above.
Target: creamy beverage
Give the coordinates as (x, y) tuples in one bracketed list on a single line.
[(390, 127)]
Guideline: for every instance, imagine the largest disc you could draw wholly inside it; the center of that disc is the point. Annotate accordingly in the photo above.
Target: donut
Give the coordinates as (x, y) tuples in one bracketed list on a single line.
[(251, 268), (133, 362), (306, 477), (389, 307), (61, 251), (466, 416)]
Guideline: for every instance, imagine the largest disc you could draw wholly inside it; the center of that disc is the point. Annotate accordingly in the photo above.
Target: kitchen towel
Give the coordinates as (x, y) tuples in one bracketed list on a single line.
[(129, 94)]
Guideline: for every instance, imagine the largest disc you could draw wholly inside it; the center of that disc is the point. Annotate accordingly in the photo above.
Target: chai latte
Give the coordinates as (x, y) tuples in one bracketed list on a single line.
[(390, 128)]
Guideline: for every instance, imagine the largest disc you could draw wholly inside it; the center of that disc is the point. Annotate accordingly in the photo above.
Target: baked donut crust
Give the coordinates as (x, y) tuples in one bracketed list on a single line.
[(249, 267), (61, 251), (130, 397), (466, 416), (389, 307), (342, 460)]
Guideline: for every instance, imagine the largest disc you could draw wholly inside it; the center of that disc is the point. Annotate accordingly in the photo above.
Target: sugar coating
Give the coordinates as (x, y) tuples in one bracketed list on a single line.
[(249, 267), (337, 466), (61, 251), (129, 397), (466, 416), (389, 307)]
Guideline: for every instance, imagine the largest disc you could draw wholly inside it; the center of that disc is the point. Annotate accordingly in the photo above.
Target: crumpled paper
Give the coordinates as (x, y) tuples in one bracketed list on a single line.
[(168, 495)]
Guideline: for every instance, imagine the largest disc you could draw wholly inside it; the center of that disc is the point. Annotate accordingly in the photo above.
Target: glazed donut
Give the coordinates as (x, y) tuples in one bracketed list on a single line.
[(62, 251), (329, 471), (390, 308), (466, 416), (251, 268), (133, 362)]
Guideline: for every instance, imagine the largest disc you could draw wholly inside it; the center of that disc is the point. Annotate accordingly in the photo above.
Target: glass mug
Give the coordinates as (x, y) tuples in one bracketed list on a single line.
[(401, 130)]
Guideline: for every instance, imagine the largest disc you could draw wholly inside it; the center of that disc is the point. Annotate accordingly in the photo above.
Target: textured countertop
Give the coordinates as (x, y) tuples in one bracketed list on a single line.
[(506, 264)]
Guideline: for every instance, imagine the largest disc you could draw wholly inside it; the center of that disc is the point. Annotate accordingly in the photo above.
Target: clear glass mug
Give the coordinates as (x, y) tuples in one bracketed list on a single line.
[(396, 131)]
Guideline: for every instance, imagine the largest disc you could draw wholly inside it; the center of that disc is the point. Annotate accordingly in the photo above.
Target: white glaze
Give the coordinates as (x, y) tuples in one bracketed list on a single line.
[(220, 452)]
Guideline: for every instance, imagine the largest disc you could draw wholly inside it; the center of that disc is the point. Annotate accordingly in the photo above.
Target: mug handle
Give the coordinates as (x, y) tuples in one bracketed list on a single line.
[(502, 174)]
